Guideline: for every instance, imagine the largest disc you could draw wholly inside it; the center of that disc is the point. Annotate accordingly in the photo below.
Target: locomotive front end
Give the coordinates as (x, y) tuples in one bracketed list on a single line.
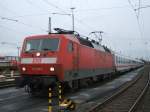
[(39, 66)]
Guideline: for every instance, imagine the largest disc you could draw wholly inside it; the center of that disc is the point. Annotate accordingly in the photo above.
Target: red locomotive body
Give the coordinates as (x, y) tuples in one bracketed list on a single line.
[(68, 58)]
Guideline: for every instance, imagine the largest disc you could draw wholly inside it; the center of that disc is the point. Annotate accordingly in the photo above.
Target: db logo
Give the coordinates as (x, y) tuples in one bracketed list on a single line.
[(36, 60)]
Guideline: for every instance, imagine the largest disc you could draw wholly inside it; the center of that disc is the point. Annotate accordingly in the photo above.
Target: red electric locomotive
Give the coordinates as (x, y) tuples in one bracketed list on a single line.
[(62, 56)]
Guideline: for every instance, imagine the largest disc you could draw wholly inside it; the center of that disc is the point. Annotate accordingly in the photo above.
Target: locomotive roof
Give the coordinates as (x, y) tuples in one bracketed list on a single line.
[(93, 44), (54, 35), (76, 38), (41, 36)]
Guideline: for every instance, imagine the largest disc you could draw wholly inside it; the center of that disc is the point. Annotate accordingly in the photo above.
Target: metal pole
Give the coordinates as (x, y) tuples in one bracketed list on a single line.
[(72, 13), (49, 26), (18, 48)]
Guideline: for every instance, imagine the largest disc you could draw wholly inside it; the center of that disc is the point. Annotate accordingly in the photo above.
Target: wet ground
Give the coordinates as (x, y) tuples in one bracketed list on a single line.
[(16, 100), (88, 94)]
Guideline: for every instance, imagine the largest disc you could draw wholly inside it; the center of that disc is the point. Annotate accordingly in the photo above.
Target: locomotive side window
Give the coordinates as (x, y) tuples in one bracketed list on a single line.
[(70, 46)]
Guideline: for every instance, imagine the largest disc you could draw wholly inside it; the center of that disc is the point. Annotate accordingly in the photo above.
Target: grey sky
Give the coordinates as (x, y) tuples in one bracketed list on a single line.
[(115, 17)]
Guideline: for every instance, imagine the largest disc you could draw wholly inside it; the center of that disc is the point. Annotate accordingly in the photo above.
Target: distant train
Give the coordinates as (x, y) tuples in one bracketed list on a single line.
[(68, 58), (11, 61)]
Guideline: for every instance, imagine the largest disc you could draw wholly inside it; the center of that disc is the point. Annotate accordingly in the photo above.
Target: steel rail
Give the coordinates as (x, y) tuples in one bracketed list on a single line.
[(6, 84), (132, 109), (109, 99)]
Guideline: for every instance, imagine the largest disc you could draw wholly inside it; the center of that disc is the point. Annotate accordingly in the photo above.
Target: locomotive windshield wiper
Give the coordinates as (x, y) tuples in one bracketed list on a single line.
[(46, 49), (26, 51), (32, 49), (29, 50)]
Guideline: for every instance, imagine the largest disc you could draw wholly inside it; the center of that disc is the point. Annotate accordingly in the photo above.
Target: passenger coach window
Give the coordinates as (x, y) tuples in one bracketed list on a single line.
[(70, 46)]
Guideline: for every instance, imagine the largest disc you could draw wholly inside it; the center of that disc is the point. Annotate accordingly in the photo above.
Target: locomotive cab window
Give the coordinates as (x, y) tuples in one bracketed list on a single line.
[(50, 44), (70, 46), (46, 44)]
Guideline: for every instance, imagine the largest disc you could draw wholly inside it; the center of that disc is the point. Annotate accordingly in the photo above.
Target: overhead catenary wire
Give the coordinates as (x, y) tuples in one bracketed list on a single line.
[(78, 10), (11, 29), (31, 15), (137, 17), (142, 7), (53, 5), (83, 23), (28, 25), (138, 14), (132, 6), (30, 2), (103, 8), (7, 18), (17, 21), (139, 7), (7, 9)]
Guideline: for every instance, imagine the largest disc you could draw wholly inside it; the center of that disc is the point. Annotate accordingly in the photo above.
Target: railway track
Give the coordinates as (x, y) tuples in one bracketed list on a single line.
[(8, 83), (127, 98), (144, 103)]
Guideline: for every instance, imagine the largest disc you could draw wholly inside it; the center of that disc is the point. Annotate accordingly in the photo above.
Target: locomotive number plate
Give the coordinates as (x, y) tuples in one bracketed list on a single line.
[(37, 68), (36, 60)]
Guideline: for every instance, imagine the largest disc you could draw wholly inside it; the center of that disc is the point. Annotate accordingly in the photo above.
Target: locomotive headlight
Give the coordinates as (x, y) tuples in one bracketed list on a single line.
[(38, 54), (52, 69), (23, 69)]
